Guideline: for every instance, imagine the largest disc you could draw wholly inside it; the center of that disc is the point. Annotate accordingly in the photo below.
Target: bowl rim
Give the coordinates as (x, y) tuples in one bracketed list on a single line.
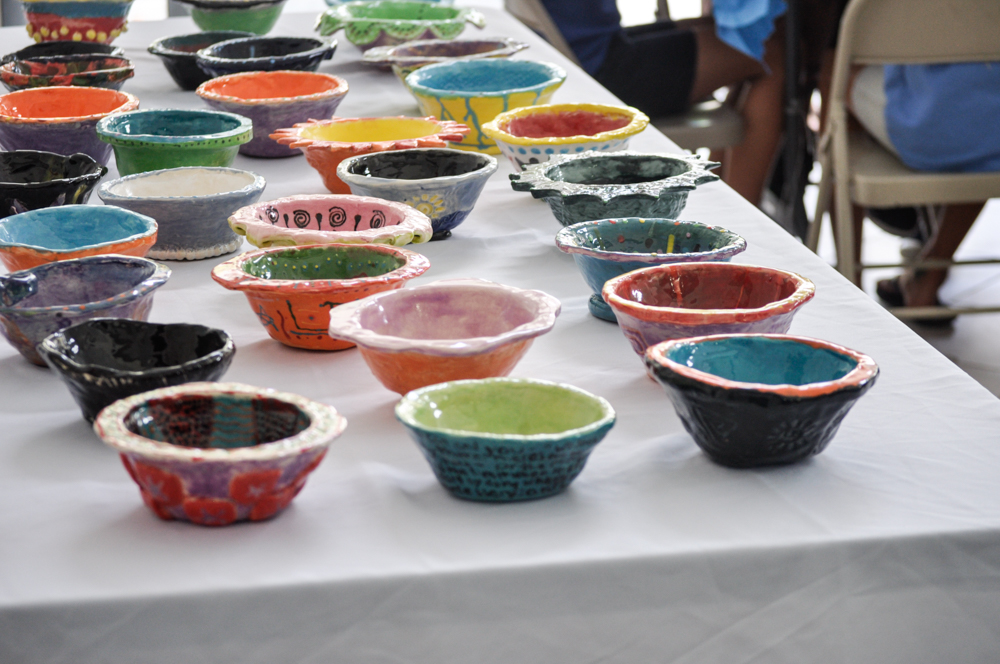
[(406, 406), (496, 128), (124, 66), (157, 47), (92, 177), (864, 371), (342, 12), (204, 90), (381, 55), (488, 166), (105, 194), (448, 130), (804, 291), (345, 321), (20, 55), (129, 103), (567, 242), (556, 77), (207, 57), (242, 133), (325, 425), (148, 222), (231, 274)]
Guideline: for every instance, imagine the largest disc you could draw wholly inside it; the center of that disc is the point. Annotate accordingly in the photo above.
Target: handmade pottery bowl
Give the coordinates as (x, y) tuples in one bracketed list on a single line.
[(73, 231), (97, 71), (76, 20), (505, 439), (168, 138), (292, 290), (255, 16), (31, 179), (411, 56), (179, 53), (533, 134), (387, 23), (103, 360), (325, 219), (755, 399), (264, 54), (272, 100), (595, 185), (479, 90), (448, 330), (326, 143), (607, 248), (49, 49), (217, 453), (683, 300), (191, 206), (63, 119), (443, 184), (38, 302)]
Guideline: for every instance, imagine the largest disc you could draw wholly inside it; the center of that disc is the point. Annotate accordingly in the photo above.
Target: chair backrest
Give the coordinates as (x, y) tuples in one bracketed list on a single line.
[(534, 15)]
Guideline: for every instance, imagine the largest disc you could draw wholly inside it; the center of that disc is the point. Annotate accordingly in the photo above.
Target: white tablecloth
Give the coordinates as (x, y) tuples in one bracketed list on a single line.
[(885, 548)]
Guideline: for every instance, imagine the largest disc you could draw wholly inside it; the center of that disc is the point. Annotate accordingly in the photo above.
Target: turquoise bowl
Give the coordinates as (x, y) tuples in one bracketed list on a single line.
[(505, 439), (607, 248)]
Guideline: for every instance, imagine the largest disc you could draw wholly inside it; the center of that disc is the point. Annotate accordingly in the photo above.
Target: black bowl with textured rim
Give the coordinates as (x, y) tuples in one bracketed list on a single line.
[(179, 54), (265, 54), (33, 179), (57, 48)]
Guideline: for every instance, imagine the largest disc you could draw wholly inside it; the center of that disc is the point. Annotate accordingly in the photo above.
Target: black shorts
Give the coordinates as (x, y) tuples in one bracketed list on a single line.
[(651, 67)]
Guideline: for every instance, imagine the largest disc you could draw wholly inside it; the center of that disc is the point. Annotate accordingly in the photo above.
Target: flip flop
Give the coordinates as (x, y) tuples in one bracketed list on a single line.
[(891, 292)]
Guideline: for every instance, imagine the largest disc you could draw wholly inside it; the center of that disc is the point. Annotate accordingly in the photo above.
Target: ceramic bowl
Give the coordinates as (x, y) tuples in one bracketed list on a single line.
[(168, 138), (264, 54), (217, 453), (272, 100), (76, 20), (325, 219), (447, 330), (103, 360), (760, 399), (505, 439), (97, 71), (49, 49), (534, 134), (38, 302), (478, 90), (292, 290), (31, 179), (326, 143), (607, 248), (387, 23), (596, 185), (63, 119), (443, 184), (73, 231), (254, 16), (191, 206), (179, 52), (682, 300), (411, 56)]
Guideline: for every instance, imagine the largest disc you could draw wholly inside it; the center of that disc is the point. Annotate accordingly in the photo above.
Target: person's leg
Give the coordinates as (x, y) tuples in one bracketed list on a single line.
[(920, 287)]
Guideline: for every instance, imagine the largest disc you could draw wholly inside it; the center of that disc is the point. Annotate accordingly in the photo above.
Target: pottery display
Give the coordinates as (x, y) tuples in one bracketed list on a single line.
[(272, 100), (38, 302), (589, 185), (102, 360), (76, 20), (478, 90), (292, 290), (607, 248), (443, 184), (330, 219), (63, 119), (411, 56), (326, 143), (387, 22), (682, 300), (255, 16), (31, 179), (168, 138), (264, 54), (50, 49), (505, 439), (179, 54), (217, 453), (73, 231), (755, 400), (534, 134), (191, 206), (98, 71), (447, 330)]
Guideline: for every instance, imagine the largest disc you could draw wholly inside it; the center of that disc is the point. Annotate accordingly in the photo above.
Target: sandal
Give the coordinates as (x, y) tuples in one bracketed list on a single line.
[(890, 291)]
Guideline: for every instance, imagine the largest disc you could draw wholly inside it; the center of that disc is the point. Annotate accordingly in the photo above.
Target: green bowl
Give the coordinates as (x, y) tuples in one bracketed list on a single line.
[(256, 16)]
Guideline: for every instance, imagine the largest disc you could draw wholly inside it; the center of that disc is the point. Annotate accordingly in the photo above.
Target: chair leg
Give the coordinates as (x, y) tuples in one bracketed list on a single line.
[(822, 204)]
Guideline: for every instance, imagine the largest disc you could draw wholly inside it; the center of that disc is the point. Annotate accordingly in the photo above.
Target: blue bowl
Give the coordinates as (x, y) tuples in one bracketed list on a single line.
[(760, 399)]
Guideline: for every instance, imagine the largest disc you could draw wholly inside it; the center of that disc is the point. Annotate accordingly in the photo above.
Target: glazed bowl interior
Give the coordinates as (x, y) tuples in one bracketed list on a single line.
[(404, 165), (172, 123), (564, 124), (611, 169), (50, 228), (659, 237), (721, 286), (371, 130), (178, 183), (272, 85), (66, 283), (24, 167), (61, 102), (484, 77), (262, 47), (321, 263)]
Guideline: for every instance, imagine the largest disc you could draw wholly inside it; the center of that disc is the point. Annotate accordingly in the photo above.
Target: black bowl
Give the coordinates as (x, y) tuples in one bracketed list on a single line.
[(178, 54), (31, 179), (55, 48), (265, 54), (103, 360)]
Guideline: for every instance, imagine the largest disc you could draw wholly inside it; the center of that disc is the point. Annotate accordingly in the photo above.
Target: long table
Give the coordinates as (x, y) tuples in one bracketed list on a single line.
[(885, 548)]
